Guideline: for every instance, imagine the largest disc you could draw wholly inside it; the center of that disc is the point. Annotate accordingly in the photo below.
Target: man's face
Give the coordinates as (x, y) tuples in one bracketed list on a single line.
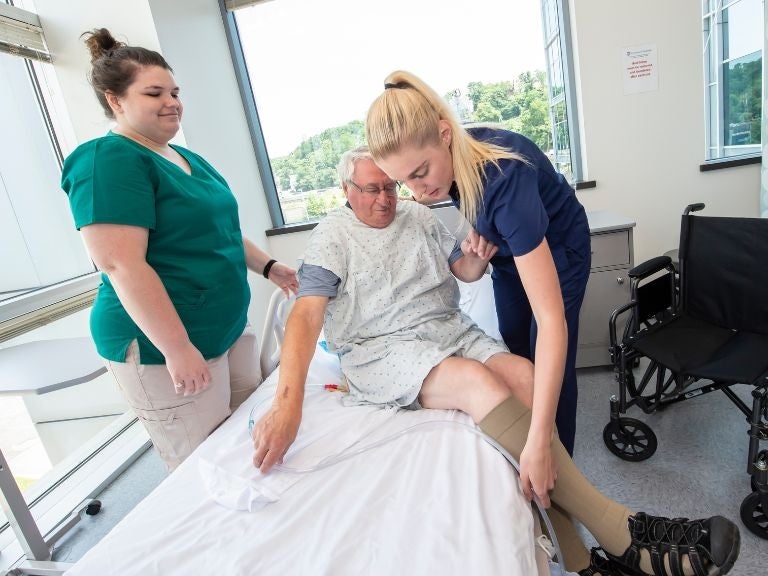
[(376, 209)]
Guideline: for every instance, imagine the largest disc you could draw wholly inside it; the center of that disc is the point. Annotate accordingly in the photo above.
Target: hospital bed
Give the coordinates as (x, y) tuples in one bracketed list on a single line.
[(364, 490)]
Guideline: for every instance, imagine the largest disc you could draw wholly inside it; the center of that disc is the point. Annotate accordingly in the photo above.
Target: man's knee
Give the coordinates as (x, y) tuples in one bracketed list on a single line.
[(516, 373)]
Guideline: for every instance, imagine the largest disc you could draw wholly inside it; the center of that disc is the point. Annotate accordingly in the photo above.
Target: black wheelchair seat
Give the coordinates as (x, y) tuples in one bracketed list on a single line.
[(697, 348), (696, 328)]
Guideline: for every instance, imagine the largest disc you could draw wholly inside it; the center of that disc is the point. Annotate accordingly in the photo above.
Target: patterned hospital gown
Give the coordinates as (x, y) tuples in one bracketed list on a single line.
[(396, 314)]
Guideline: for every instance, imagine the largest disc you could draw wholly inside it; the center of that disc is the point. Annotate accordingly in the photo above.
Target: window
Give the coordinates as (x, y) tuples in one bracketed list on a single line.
[(562, 93), (312, 80), (37, 272), (33, 209), (733, 60), (64, 445)]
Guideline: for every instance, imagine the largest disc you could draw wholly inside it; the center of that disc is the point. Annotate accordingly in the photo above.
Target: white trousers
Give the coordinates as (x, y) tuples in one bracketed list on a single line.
[(177, 424)]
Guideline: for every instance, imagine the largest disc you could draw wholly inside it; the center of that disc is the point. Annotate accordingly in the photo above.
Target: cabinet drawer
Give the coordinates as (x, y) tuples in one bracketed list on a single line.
[(610, 249)]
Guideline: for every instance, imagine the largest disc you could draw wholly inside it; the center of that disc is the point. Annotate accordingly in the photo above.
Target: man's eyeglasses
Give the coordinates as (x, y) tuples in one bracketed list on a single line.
[(371, 190)]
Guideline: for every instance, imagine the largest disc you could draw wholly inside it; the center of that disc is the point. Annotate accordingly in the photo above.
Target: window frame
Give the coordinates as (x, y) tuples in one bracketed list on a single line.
[(562, 36), (713, 65), (252, 115)]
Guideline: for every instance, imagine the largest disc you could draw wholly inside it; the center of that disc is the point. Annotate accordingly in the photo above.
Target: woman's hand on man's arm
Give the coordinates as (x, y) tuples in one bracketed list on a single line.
[(477, 253), (281, 275)]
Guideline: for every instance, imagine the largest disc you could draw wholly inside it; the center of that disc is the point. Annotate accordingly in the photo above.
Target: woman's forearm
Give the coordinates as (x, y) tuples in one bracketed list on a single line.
[(551, 348), (255, 258)]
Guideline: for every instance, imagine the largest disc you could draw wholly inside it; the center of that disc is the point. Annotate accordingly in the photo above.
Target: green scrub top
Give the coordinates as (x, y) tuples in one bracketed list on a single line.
[(195, 244)]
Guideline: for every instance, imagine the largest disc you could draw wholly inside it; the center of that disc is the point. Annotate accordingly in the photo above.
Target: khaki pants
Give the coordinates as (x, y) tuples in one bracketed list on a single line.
[(177, 424)]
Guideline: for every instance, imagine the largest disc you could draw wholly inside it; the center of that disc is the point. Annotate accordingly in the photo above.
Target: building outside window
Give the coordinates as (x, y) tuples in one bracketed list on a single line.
[(312, 80), (733, 61)]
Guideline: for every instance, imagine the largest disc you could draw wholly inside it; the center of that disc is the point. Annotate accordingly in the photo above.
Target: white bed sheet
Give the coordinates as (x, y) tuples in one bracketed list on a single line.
[(438, 500)]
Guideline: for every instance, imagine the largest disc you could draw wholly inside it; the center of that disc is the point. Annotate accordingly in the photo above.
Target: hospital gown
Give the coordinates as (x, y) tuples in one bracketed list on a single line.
[(396, 312)]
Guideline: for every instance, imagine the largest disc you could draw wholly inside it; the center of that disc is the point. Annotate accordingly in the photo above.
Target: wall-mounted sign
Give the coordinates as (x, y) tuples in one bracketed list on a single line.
[(641, 69)]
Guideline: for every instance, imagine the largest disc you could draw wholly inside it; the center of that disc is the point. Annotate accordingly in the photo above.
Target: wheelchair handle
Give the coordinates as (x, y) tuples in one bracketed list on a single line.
[(693, 208)]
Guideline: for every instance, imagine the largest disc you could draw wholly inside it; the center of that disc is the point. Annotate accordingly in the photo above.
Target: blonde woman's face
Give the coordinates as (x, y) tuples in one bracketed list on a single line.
[(427, 171)]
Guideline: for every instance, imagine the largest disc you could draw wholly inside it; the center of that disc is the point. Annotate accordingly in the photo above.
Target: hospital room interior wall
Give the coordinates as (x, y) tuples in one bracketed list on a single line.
[(194, 42), (644, 150)]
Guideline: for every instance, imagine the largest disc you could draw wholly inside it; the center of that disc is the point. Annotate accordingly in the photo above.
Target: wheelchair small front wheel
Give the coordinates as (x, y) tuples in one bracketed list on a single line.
[(754, 516), (630, 439)]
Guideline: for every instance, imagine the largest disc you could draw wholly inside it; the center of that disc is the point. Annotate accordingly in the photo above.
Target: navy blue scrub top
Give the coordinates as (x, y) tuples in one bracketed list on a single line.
[(523, 203)]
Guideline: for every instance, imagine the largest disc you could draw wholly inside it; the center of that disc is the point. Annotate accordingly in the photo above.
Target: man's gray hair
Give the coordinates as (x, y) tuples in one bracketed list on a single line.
[(348, 160)]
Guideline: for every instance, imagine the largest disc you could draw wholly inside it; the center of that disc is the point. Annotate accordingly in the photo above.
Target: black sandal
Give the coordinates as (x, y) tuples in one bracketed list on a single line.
[(600, 564), (711, 545)]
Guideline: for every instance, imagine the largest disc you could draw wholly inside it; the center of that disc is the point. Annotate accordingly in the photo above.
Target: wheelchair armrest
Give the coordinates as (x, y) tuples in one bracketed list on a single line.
[(614, 317), (650, 267)]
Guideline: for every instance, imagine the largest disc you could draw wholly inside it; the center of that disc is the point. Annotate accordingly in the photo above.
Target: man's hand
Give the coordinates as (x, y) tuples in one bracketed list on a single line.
[(273, 435)]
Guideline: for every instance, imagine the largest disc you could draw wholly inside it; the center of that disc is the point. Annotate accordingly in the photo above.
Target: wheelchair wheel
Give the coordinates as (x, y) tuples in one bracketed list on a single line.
[(634, 440), (753, 516), (762, 455)]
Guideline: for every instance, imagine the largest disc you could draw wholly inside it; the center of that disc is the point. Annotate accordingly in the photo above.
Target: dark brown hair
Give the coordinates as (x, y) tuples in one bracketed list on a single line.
[(114, 64)]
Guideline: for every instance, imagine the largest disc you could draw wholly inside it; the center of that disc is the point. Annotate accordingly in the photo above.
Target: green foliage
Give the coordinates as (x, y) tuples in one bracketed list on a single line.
[(744, 105), (312, 165), (520, 105), (319, 203), (316, 205)]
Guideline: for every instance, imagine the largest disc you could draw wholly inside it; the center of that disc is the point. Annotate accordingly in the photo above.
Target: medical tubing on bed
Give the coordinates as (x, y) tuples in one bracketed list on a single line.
[(349, 453)]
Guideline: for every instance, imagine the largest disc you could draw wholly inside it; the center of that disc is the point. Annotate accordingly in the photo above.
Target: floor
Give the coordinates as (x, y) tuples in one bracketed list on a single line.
[(698, 470)]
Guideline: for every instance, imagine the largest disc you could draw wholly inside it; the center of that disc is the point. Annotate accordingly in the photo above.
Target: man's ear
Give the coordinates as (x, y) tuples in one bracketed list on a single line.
[(344, 188)]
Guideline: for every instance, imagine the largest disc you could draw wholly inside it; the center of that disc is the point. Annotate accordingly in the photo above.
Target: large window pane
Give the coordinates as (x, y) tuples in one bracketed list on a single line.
[(742, 29), (38, 244), (733, 60), (313, 77), (564, 155), (742, 100)]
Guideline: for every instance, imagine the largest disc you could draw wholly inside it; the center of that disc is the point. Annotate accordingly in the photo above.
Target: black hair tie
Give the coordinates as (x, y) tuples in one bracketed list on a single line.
[(268, 267), (399, 85)]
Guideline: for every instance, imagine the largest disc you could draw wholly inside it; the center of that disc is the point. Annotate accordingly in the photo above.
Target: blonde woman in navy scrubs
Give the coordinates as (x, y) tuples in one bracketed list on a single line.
[(521, 207), (162, 226)]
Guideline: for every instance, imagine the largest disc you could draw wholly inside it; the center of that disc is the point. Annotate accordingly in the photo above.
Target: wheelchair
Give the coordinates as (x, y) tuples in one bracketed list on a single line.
[(701, 326)]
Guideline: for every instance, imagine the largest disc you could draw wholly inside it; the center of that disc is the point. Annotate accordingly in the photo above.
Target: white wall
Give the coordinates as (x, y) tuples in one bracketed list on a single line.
[(644, 150)]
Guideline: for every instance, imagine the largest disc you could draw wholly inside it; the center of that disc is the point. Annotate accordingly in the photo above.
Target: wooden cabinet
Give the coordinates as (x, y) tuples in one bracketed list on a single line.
[(608, 286)]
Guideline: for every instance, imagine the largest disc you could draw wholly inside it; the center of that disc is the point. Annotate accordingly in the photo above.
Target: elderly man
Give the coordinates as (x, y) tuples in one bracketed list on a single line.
[(378, 276), (381, 274)]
